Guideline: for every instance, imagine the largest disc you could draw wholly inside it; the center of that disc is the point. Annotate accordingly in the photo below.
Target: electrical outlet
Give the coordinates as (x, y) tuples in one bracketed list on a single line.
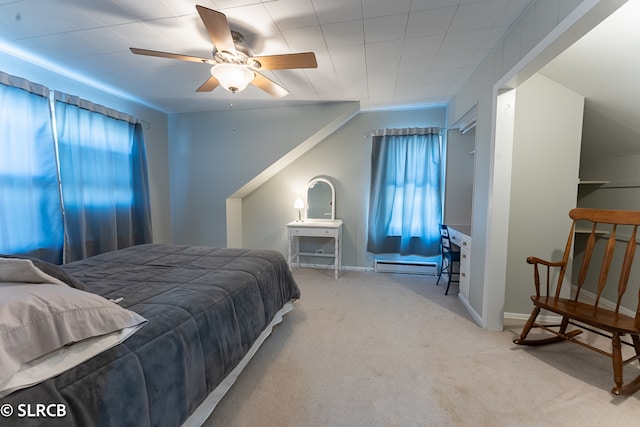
[(319, 251)]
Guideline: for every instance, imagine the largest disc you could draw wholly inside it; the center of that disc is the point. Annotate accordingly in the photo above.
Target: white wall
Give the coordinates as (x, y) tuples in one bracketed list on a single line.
[(344, 157), (546, 28), (154, 128), (545, 164)]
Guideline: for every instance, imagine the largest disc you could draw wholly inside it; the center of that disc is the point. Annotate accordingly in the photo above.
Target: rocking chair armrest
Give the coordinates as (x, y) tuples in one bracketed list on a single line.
[(536, 260)]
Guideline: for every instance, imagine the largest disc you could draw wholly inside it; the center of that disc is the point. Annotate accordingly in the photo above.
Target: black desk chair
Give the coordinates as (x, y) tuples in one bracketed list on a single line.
[(449, 257)]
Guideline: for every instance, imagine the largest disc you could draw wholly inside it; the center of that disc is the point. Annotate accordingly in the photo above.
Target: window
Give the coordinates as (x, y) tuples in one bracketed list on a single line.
[(86, 195), (406, 192), (104, 187), (30, 211)]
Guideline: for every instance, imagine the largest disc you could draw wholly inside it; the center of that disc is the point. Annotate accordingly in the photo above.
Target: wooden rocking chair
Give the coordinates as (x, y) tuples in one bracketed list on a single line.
[(591, 315)]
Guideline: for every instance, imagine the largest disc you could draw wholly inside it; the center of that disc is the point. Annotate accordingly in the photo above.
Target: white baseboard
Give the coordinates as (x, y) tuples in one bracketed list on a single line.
[(354, 268), (476, 317), (524, 317), (331, 267)]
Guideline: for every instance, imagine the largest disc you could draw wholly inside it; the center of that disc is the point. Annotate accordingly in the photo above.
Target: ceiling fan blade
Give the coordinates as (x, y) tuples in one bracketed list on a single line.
[(218, 29), (169, 55), (292, 60), (269, 86), (209, 85)]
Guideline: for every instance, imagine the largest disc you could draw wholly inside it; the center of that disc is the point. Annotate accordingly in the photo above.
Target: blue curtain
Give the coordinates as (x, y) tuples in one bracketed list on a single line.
[(103, 177), (30, 210), (405, 205)]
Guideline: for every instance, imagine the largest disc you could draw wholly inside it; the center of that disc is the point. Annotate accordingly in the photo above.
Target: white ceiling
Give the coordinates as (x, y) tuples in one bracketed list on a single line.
[(383, 53)]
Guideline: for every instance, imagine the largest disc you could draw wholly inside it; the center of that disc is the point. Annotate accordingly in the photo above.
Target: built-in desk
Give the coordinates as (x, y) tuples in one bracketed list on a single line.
[(460, 235), (317, 228)]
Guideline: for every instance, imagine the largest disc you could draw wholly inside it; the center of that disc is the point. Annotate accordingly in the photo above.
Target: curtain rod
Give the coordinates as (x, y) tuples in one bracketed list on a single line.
[(97, 108), (24, 84), (405, 131), (468, 126)]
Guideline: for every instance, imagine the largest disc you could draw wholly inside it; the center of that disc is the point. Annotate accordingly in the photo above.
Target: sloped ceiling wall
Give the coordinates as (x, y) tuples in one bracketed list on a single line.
[(604, 67), (213, 154)]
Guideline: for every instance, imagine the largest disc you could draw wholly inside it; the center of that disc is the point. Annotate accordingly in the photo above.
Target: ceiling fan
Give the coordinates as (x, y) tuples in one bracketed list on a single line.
[(233, 65)]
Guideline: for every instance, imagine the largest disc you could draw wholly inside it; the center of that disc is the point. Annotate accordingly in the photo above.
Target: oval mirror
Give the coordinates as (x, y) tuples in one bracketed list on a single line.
[(320, 199)]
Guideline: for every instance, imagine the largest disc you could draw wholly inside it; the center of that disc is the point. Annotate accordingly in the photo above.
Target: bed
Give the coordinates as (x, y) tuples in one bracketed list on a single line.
[(204, 312)]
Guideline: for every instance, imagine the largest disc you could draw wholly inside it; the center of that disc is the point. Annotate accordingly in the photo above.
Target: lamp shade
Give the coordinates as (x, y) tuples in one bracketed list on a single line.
[(232, 77), (298, 204)]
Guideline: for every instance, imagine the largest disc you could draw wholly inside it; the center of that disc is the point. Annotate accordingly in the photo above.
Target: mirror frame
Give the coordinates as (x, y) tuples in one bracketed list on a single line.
[(313, 182)]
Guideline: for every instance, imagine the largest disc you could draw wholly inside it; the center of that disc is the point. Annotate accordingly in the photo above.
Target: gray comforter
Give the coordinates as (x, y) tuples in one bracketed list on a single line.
[(205, 307)]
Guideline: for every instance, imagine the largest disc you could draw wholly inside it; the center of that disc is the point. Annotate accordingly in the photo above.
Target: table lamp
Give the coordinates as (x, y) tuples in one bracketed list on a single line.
[(299, 204)]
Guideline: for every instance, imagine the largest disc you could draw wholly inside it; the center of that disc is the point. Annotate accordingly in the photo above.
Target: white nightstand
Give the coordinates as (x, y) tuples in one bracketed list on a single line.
[(315, 228)]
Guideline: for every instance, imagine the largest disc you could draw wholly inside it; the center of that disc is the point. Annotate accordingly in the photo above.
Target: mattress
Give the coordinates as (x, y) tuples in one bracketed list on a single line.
[(205, 309)]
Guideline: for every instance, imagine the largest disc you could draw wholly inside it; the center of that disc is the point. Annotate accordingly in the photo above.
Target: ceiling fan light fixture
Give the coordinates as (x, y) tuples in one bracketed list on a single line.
[(232, 77), (234, 65)]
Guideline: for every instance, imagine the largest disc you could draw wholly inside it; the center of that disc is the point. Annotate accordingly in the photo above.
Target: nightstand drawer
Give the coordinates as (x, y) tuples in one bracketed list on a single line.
[(312, 232)]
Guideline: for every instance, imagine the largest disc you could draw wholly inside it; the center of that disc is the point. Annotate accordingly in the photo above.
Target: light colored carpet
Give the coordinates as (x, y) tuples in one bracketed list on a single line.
[(392, 350)]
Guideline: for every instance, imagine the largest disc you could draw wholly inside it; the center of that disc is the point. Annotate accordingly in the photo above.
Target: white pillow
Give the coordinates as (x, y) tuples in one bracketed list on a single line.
[(36, 319), (58, 361)]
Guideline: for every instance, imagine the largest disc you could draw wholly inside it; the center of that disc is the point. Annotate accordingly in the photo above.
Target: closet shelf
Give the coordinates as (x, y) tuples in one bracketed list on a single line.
[(592, 182)]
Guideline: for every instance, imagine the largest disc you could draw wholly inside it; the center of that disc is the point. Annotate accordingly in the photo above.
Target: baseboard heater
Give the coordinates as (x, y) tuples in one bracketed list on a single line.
[(408, 267)]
